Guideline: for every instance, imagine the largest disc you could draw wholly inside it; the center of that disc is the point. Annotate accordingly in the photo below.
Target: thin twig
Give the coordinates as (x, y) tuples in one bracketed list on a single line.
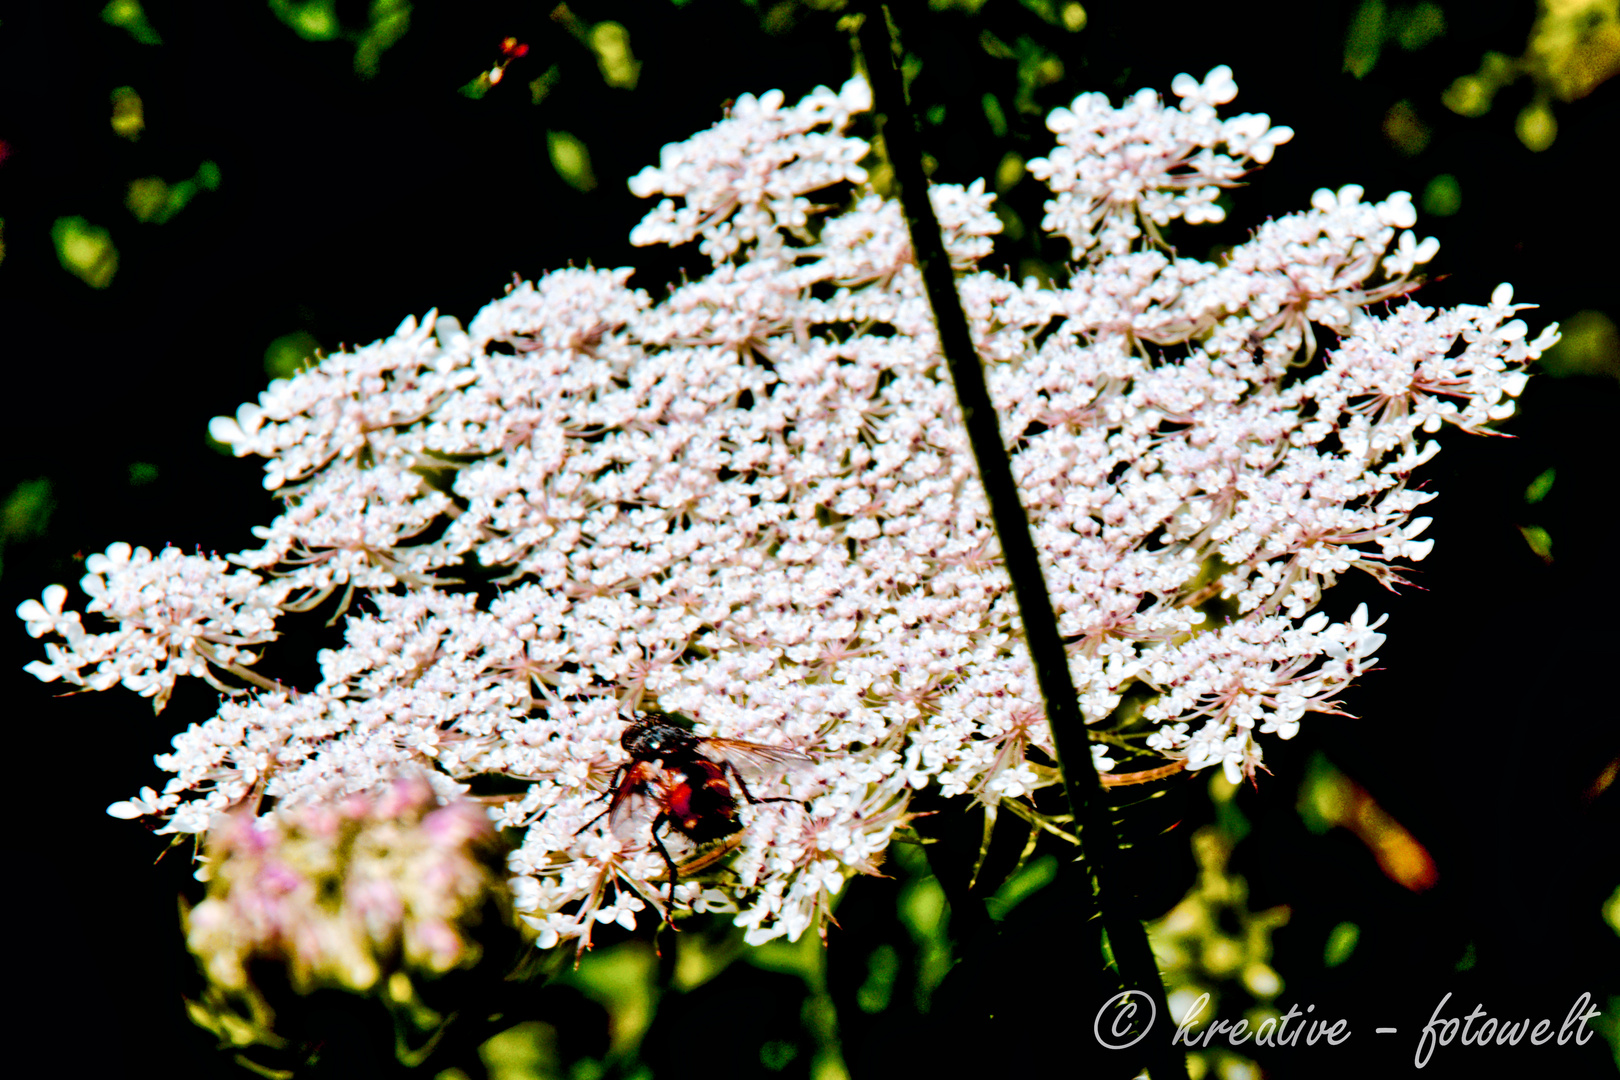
[(1146, 776), (1099, 844)]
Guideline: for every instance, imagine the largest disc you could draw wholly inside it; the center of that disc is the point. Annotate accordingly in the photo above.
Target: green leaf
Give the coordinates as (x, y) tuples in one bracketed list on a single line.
[(86, 251), (1365, 39), (1540, 486), (1341, 944), (571, 160), (1021, 885), (312, 20), (128, 15), (1540, 541)]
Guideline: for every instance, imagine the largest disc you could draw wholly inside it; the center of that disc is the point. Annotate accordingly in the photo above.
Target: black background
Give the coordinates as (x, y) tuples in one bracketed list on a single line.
[(348, 204)]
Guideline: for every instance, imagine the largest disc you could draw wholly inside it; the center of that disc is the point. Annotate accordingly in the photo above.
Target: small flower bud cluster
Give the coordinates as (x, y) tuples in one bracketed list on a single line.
[(343, 893), (753, 502), (1215, 950)]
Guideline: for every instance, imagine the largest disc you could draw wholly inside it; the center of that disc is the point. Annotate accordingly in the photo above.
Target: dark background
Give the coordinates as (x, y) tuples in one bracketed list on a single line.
[(348, 203)]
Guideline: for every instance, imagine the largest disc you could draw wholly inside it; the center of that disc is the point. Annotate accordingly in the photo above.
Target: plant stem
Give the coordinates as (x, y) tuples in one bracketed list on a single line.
[(1099, 845), (246, 674)]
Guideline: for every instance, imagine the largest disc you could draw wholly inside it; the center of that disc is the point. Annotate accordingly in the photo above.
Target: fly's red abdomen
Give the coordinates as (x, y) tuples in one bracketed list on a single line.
[(702, 805), (678, 801)]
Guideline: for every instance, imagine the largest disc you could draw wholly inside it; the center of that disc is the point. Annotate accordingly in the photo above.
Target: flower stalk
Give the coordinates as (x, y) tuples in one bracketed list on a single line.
[(1127, 938)]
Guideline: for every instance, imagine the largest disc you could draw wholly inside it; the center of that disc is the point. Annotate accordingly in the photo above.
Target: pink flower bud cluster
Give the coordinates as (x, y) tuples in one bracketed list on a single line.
[(343, 893), (752, 501)]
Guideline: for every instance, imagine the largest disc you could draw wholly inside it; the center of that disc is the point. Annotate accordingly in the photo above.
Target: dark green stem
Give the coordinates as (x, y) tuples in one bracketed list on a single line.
[(1099, 844)]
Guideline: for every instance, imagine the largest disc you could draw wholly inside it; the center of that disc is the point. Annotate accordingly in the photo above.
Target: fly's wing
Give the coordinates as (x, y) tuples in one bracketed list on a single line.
[(755, 759), (633, 801)]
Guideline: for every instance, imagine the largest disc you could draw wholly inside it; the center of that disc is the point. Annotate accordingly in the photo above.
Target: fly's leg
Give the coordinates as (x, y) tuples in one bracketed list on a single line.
[(612, 789), (663, 819), (749, 795)]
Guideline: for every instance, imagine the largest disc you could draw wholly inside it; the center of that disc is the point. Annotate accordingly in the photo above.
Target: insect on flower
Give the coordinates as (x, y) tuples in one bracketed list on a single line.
[(689, 779)]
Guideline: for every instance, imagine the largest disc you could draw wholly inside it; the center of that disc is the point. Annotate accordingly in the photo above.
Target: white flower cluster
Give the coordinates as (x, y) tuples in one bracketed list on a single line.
[(753, 502), (176, 614), (745, 182), (1116, 171)]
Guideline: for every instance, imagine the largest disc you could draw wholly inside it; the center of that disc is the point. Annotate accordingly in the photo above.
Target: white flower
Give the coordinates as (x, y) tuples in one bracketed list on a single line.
[(48, 617), (753, 502)]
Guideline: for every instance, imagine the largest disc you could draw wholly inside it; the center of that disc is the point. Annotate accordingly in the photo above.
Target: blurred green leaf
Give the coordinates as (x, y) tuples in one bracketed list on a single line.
[(1070, 16), (1028, 881), (922, 910), (1536, 126), (1405, 130), (1341, 944), (1540, 486), (1540, 541), (803, 958), (26, 513), (610, 41), (1419, 26), (526, 1051), (317, 20), (1320, 796), (620, 978), (1365, 39), (1589, 344), (1471, 95), (995, 116), (478, 86), (1574, 47), (1442, 196), (539, 88), (128, 15), (146, 197), (777, 1054), (1010, 172), (1375, 24), (1467, 959), (155, 201), (1233, 821), (1468, 95), (1037, 68), (388, 21), (882, 969), (86, 251), (312, 20), (128, 113), (289, 354), (571, 160)]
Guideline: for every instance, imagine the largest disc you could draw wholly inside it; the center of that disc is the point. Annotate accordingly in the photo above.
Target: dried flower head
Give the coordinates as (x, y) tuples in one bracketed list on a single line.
[(752, 501)]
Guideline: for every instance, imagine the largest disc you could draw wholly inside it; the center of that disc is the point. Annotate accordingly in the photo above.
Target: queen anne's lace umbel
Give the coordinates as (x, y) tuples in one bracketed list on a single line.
[(753, 502)]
